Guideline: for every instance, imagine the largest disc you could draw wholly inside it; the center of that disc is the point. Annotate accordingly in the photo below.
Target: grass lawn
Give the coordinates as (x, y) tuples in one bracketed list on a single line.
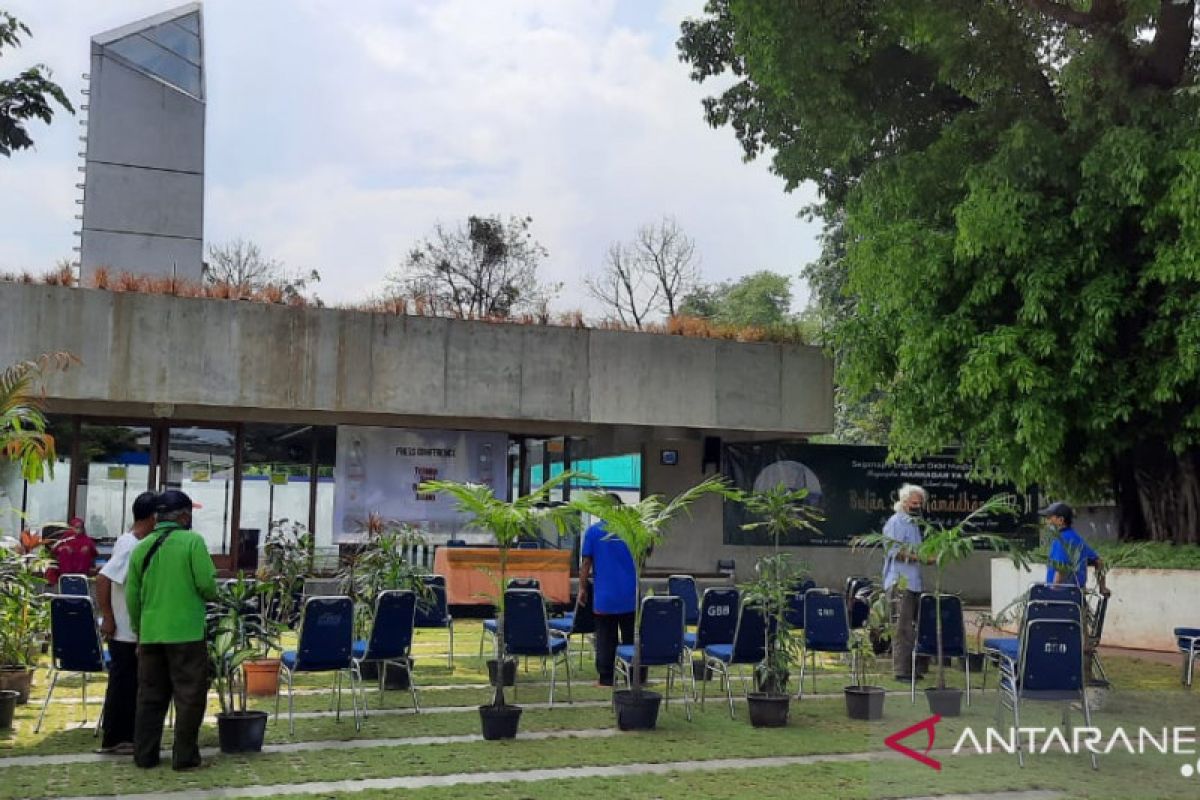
[(1148, 694)]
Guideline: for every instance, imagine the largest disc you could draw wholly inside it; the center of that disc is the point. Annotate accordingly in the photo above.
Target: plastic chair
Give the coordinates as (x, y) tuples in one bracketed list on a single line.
[(954, 636), (390, 640), (1188, 642), (526, 633), (325, 644), (748, 647), (581, 622), (435, 613), (1049, 668), (75, 648), (684, 587), (489, 625), (661, 638), (73, 584), (826, 630)]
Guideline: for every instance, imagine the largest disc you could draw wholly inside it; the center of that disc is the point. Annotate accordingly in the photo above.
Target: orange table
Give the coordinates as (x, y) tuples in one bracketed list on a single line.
[(469, 572)]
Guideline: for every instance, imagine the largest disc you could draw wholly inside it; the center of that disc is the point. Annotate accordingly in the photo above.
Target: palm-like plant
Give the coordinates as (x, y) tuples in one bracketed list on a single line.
[(942, 546), (642, 526), (507, 521), (23, 435)]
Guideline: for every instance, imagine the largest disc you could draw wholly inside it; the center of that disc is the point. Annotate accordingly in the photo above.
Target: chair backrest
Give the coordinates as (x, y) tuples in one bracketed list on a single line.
[(432, 611), (73, 584), (750, 637), (392, 631), (805, 585), (826, 627), (854, 583), (1057, 592), (684, 587), (1051, 609), (326, 634), (858, 589), (954, 632), (718, 616), (1097, 619), (73, 632), (793, 615), (525, 630), (527, 544), (1051, 660), (662, 630), (524, 583)]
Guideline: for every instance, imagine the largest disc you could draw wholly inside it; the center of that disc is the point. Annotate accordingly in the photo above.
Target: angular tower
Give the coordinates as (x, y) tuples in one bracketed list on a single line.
[(143, 202)]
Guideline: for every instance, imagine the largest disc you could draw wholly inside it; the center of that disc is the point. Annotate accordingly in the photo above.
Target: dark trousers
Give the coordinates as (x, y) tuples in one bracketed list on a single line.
[(167, 672), (904, 613), (120, 699), (608, 626)]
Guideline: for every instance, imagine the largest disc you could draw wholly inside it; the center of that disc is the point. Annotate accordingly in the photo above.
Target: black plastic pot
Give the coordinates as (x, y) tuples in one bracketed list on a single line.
[(700, 670), (242, 731), (18, 679), (864, 702), (636, 713), (8, 706), (510, 671), (945, 702), (768, 710), (975, 662), (499, 722), (394, 677)]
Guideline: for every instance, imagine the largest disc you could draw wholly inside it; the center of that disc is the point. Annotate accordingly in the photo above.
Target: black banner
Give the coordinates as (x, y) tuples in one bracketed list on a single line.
[(855, 488)]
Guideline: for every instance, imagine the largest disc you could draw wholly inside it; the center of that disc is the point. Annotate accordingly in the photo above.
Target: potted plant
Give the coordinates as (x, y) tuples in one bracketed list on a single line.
[(287, 560), (940, 547), (24, 618), (381, 564), (260, 633), (641, 526), (506, 521), (234, 629), (779, 511), (864, 699)]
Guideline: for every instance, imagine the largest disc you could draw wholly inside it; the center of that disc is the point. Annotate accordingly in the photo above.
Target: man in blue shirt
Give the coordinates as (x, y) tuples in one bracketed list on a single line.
[(608, 565), (1070, 555)]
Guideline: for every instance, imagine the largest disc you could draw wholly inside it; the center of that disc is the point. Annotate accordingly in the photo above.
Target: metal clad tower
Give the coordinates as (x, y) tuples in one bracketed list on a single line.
[(143, 203)]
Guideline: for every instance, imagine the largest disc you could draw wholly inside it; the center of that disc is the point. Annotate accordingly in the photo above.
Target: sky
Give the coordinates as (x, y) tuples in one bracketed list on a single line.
[(338, 134)]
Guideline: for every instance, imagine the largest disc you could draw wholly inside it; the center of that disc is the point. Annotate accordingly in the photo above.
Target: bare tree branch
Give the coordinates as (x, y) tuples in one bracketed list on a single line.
[(651, 274)]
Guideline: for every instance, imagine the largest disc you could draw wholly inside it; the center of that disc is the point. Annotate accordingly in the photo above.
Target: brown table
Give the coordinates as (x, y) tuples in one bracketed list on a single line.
[(470, 572)]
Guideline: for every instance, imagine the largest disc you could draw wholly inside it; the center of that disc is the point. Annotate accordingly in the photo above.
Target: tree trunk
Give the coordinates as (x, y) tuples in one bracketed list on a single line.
[(1158, 494)]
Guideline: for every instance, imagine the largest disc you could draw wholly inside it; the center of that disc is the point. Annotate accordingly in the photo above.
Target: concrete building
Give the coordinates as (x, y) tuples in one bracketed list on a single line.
[(143, 203)]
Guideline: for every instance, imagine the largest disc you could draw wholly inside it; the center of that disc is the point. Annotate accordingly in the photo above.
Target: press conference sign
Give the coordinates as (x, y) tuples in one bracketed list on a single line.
[(855, 487)]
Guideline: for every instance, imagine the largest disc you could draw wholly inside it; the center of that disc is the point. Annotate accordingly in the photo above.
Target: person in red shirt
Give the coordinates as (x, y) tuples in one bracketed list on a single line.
[(74, 553)]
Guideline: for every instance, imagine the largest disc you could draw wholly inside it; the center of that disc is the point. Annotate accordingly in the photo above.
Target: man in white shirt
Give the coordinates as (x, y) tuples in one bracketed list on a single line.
[(120, 701)]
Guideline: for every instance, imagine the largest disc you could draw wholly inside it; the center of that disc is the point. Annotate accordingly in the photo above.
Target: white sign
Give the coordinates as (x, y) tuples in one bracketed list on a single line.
[(379, 469)]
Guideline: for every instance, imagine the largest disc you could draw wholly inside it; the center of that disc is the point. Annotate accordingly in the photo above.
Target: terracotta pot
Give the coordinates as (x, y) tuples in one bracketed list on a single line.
[(262, 677)]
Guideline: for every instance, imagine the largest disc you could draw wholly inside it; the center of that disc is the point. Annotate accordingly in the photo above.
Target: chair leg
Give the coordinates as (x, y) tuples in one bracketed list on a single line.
[(729, 690), (912, 677), (277, 677), (1087, 720), (704, 683), (553, 675), (354, 689), (687, 697), (412, 689), (967, 675), (291, 704), (84, 676), (803, 659), (46, 702), (567, 664), (1016, 700)]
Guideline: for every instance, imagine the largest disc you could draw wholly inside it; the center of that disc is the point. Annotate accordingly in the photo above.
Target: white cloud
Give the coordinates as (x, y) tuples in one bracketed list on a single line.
[(339, 133)]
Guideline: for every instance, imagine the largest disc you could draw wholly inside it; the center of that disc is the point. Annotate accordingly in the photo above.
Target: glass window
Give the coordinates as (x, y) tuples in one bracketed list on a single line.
[(200, 462), (115, 468), (45, 501), (276, 462), (179, 41), (159, 62), (190, 22), (326, 440)]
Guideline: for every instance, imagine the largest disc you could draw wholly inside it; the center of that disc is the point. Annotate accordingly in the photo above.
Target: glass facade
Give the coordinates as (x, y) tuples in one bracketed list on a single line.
[(170, 52)]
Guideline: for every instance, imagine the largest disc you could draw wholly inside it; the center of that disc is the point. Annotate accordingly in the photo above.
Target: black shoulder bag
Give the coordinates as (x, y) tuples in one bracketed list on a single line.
[(154, 548)]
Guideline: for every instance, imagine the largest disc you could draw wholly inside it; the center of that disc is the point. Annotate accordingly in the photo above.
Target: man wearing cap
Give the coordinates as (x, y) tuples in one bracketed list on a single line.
[(1070, 551), (120, 700), (171, 575)]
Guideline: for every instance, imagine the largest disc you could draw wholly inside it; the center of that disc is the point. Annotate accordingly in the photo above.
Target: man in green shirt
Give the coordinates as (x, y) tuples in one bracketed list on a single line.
[(170, 576)]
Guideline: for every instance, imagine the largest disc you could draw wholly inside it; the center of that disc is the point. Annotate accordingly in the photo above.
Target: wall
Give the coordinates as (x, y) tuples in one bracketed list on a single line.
[(695, 544), (168, 356)]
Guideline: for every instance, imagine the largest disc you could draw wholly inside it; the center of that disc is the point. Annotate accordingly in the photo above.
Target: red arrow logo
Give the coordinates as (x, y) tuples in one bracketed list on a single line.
[(927, 725)]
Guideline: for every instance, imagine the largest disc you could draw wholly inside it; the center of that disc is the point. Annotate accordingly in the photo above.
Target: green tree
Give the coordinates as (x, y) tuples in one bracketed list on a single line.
[(30, 95), (1020, 184), (762, 298)]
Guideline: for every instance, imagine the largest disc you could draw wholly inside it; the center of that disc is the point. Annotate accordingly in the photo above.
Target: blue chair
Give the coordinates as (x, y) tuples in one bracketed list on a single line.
[(1002, 650), (581, 622), (1056, 593), (73, 584), (434, 612), (718, 619), (954, 636), (661, 637), (1049, 668), (325, 644), (748, 647), (526, 633), (1188, 642), (684, 587), (390, 641), (826, 630), (75, 646), (858, 590), (489, 625)]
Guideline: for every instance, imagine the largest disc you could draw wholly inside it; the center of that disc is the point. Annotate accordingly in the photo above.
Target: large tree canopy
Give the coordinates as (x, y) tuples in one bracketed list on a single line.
[(1020, 184), (30, 95)]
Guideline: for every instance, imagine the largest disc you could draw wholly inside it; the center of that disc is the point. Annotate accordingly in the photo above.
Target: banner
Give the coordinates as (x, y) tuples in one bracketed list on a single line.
[(378, 471), (855, 488)]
